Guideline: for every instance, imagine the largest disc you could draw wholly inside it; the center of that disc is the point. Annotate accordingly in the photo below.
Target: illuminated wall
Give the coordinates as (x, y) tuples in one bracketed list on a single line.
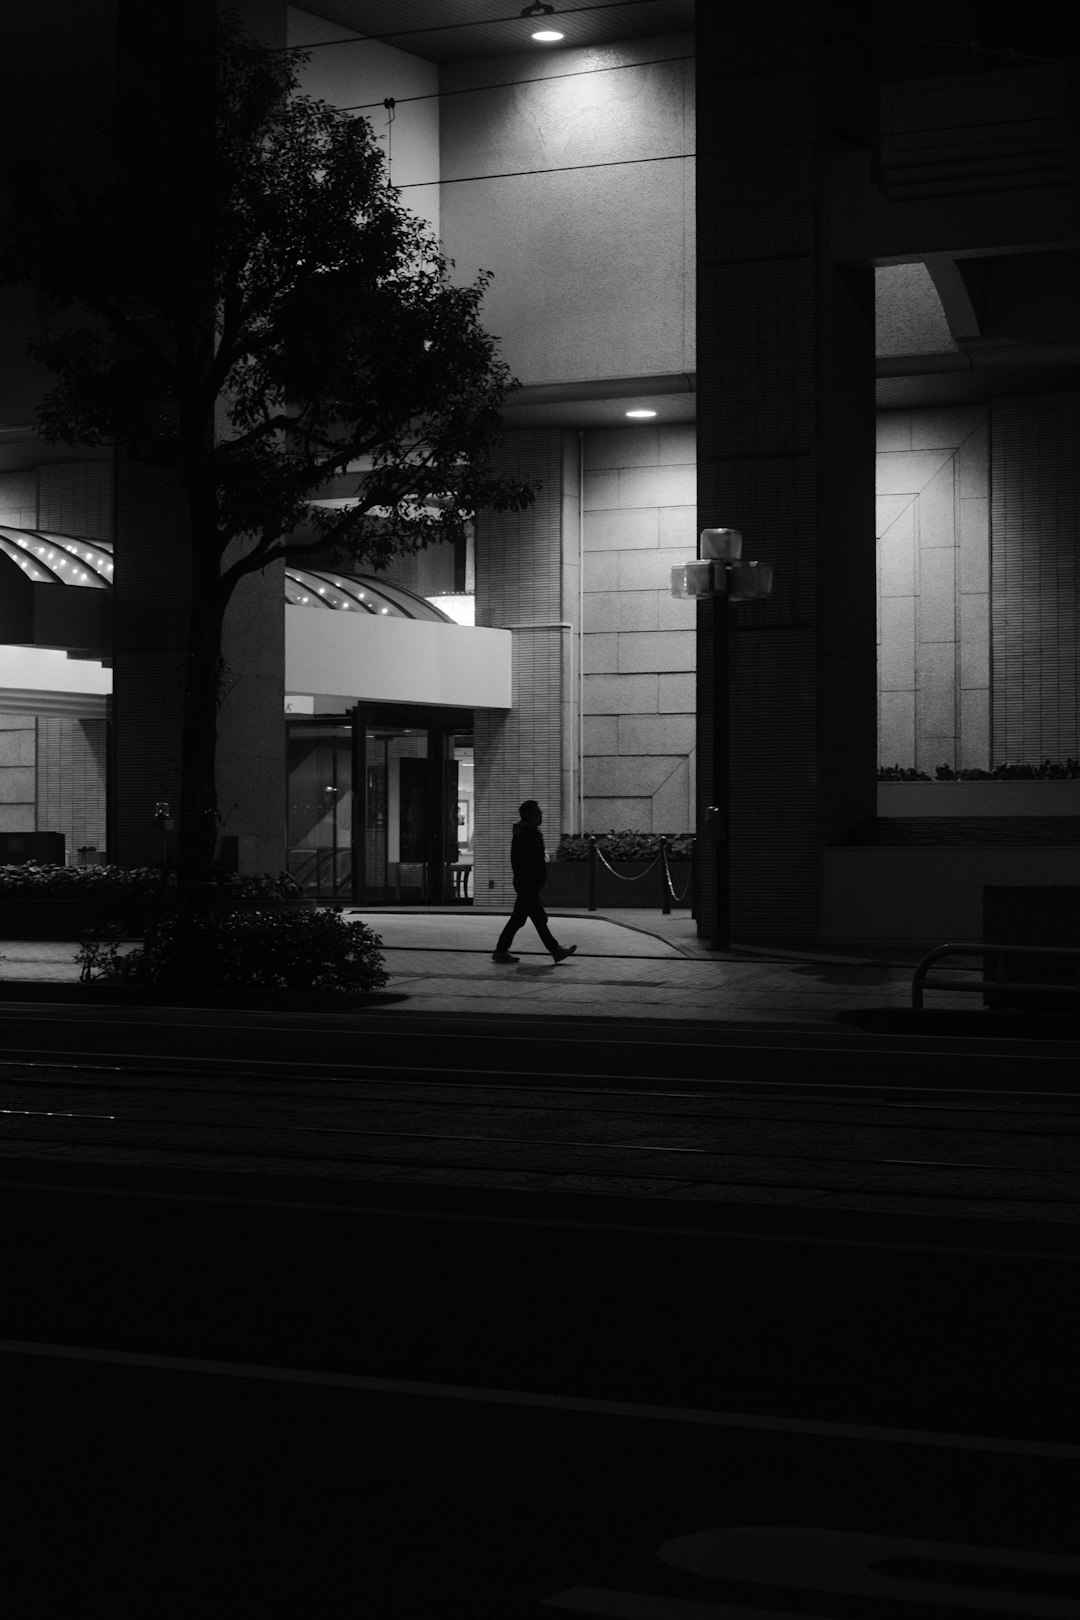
[(934, 588), (360, 77), (568, 175), (639, 642)]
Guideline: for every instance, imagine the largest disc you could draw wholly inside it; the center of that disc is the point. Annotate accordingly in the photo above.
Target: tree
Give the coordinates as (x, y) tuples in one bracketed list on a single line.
[(256, 311)]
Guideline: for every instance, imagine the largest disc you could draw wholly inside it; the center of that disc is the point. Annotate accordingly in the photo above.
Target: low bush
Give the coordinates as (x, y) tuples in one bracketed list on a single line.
[(625, 846), (33, 882), (43, 882), (246, 949), (1048, 771)]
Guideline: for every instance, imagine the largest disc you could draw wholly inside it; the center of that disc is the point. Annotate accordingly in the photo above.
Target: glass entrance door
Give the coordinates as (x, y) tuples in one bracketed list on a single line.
[(460, 809), (320, 808), (397, 816), (382, 812), (417, 814)]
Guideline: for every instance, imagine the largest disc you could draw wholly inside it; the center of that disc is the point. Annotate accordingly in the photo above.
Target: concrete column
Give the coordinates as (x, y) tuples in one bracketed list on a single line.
[(152, 578), (251, 722), (525, 576), (151, 592), (785, 454)]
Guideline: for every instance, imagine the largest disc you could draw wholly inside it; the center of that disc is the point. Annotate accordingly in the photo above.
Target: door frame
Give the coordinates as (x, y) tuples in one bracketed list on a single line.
[(439, 723)]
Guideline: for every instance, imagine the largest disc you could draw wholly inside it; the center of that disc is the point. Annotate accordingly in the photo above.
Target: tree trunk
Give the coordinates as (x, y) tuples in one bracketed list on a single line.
[(198, 752)]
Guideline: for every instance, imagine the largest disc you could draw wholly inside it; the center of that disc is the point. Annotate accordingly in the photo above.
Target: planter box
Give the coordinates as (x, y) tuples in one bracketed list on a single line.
[(978, 798), (635, 887)]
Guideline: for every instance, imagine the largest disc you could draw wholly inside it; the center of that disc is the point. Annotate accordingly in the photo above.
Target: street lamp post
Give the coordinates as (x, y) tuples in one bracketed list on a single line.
[(718, 576)]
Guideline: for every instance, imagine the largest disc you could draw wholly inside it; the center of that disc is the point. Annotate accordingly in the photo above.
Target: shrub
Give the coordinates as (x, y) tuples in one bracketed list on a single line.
[(625, 846), (244, 949), (1049, 770), (32, 882), (250, 891)]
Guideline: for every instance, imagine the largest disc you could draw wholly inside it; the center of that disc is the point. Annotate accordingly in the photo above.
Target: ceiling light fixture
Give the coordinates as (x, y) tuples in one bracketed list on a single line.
[(641, 413), (545, 36)]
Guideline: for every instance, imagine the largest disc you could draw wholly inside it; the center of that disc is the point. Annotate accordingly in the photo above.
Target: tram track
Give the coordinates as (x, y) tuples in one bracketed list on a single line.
[(477, 1093), (597, 1175), (483, 1133), (347, 1073)]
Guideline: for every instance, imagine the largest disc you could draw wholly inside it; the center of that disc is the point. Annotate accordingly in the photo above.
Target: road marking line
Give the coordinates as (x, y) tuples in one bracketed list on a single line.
[(969, 1251), (559, 1403), (610, 1605), (389, 1071)]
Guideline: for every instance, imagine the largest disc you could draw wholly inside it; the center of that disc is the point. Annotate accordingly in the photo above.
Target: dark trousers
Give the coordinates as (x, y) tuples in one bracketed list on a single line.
[(528, 908)]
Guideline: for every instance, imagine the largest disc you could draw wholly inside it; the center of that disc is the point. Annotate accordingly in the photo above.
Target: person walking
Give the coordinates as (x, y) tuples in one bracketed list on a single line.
[(530, 874)]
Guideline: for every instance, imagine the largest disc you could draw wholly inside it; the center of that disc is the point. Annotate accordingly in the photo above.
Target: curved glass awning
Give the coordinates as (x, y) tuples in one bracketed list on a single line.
[(58, 559), (46, 558), (306, 587)]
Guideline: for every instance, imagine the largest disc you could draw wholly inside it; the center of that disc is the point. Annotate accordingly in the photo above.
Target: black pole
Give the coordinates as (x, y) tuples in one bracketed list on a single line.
[(720, 929), (711, 873), (592, 872)]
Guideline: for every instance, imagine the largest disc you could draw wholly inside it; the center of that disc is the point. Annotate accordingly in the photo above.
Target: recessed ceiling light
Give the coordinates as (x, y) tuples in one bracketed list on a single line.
[(548, 36), (641, 413)]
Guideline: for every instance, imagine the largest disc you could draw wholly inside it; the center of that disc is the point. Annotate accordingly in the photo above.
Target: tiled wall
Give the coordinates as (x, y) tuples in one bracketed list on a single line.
[(77, 498), (933, 588), (71, 781), (18, 751), (639, 642), (19, 499), (68, 497), (52, 778)]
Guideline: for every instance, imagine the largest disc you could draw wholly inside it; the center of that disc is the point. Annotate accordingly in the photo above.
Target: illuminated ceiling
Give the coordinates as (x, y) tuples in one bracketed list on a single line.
[(458, 30)]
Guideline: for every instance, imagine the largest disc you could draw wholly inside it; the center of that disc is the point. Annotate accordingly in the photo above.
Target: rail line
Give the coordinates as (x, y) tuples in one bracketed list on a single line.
[(596, 1174), (529, 1099), (38, 1057), (285, 1141)]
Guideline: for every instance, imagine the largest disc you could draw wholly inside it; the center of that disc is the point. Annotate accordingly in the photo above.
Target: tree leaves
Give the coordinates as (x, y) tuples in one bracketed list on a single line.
[(264, 327)]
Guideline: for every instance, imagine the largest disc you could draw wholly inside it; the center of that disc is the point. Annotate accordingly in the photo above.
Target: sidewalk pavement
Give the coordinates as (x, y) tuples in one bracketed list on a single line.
[(628, 965)]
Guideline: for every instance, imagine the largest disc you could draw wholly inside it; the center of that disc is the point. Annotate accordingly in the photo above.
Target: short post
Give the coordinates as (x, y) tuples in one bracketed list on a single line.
[(592, 872), (693, 879), (665, 878)]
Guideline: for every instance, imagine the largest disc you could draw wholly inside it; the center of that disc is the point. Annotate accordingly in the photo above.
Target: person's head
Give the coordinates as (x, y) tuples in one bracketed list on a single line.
[(530, 813)]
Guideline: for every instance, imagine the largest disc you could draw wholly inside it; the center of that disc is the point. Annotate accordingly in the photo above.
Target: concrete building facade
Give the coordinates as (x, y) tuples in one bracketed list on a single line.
[(716, 272)]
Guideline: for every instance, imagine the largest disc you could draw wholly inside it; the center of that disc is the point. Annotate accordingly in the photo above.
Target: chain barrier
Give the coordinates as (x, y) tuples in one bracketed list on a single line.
[(678, 898), (622, 876)]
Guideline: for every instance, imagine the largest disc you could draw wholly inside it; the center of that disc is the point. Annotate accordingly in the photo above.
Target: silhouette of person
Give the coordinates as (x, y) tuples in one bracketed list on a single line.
[(530, 874)]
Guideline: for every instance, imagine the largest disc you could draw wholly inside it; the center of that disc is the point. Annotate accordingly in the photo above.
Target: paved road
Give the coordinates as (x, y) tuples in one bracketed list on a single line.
[(325, 1318), (228, 1399), (813, 1118)]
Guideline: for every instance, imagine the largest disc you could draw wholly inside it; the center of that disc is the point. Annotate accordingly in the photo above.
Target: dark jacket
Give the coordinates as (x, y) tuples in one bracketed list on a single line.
[(527, 857)]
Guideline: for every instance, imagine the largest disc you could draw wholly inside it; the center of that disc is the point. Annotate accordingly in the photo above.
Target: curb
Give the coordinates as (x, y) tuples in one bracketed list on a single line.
[(96, 995)]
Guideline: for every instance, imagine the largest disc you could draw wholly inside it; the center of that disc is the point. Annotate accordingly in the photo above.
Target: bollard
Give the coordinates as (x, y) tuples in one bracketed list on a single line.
[(592, 873), (665, 878)]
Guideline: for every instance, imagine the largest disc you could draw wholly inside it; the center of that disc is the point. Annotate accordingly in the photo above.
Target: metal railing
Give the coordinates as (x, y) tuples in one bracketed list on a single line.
[(1000, 981)]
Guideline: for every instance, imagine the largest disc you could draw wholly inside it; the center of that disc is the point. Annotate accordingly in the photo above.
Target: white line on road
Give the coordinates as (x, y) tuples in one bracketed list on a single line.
[(580, 1224), (524, 1077), (559, 1403)]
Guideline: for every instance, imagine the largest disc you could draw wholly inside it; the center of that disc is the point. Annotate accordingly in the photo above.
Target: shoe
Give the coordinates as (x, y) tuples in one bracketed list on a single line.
[(562, 953), (504, 956)]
